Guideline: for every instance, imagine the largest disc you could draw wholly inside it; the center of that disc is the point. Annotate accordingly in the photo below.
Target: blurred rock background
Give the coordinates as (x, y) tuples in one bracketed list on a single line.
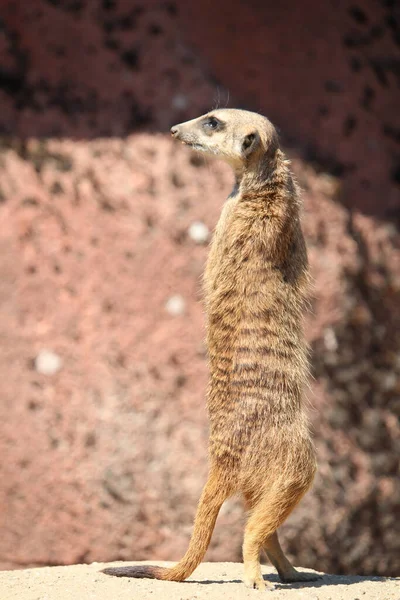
[(104, 225)]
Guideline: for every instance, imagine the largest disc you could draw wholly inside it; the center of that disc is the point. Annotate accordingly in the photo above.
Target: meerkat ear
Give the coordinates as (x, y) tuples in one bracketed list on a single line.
[(250, 143)]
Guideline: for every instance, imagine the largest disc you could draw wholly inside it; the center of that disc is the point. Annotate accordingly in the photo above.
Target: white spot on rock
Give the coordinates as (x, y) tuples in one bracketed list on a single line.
[(179, 101), (389, 380), (48, 362), (330, 340), (175, 305), (199, 232)]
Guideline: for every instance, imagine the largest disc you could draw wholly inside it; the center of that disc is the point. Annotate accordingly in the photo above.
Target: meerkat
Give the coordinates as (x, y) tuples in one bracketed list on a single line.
[(255, 288)]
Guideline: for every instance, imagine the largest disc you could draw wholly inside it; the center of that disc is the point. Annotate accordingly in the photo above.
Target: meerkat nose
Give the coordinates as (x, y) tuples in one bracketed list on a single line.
[(174, 130)]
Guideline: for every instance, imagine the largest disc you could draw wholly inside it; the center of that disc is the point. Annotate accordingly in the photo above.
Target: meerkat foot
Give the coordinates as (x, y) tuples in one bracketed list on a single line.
[(294, 576), (253, 578), (287, 572), (258, 584)]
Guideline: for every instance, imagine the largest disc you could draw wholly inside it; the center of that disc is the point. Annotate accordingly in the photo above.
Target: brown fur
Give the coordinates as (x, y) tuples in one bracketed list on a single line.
[(255, 287)]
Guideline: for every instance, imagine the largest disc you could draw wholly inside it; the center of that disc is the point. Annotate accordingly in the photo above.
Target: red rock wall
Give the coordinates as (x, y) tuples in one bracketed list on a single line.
[(102, 358), (328, 73)]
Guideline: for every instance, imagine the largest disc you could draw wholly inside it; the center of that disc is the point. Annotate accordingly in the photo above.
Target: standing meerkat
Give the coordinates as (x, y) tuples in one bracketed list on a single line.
[(255, 286)]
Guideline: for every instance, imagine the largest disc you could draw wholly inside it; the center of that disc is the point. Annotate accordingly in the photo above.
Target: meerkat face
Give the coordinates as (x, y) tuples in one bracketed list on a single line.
[(239, 137)]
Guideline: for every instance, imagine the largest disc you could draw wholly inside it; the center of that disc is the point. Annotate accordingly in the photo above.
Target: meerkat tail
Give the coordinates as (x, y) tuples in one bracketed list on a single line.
[(212, 498)]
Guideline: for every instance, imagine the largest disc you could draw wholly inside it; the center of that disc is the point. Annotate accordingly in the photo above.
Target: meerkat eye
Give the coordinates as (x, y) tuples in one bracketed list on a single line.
[(211, 123)]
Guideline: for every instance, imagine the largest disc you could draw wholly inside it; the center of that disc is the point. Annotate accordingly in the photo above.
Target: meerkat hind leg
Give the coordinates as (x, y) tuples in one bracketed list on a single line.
[(286, 571), (266, 516), (257, 529)]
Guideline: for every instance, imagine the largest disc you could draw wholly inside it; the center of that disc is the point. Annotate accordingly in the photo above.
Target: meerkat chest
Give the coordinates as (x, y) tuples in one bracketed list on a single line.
[(224, 221), (217, 255)]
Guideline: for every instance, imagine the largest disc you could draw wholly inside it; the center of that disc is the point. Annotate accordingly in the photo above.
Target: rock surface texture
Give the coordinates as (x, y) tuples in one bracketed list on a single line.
[(103, 238), (211, 581)]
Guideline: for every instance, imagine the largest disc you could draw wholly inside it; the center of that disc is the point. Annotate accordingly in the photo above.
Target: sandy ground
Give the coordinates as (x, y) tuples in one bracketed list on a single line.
[(210, 580)]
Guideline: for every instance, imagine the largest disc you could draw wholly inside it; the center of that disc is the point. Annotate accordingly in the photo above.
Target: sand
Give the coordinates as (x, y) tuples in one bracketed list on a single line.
[(210, 581)]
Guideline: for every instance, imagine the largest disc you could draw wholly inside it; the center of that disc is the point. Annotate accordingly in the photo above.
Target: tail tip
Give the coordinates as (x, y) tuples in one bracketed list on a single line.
[(138, 572)]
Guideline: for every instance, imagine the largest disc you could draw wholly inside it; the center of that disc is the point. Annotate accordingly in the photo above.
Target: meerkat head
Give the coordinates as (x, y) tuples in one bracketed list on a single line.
[(239, 137)]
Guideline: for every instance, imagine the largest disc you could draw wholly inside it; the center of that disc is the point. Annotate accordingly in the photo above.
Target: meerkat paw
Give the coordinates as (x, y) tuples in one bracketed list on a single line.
[(299, 576), (258, 584)]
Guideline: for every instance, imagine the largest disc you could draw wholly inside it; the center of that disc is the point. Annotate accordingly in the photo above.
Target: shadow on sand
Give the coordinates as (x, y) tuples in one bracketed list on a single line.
[(325, 579)]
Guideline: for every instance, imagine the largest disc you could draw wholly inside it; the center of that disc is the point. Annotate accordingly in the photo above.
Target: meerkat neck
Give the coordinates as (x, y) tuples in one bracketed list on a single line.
[(262, 176)]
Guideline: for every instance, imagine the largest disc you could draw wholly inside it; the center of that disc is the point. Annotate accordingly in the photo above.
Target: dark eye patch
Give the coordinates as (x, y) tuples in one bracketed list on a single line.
[(212, 124)]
